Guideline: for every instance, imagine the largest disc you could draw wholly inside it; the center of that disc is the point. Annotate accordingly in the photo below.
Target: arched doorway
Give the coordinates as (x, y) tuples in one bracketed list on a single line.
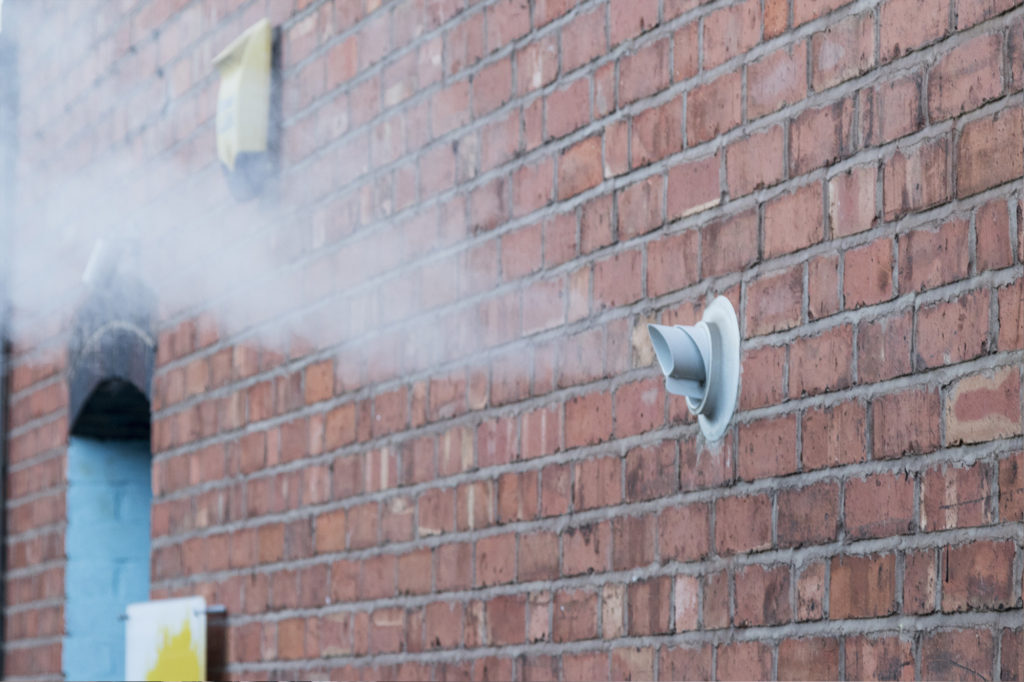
[(109, 492)]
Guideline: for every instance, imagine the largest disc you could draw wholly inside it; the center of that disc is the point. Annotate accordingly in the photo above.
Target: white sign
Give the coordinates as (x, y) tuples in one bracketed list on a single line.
[(166, 640)]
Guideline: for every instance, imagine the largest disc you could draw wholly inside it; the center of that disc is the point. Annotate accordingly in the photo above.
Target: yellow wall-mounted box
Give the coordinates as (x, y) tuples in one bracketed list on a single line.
[(243, 103)]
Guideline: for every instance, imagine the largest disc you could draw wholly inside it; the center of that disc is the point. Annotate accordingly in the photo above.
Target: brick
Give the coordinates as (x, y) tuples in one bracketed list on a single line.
[(685, 662), (907, 25), (966, 77), (879, 505), (685, 52), (1011, 488), (777, 80), (755, 161), (915, 179), (957, 654), (762, 595), (821, 363), (932, 257), (443, 623), (883, 348), (536, 64), (568, 108), (672, 263), (645, 472), (706, 465), (806, 10), (633, 540), (556, 490), (683, 533), (656, 133), (645, 72), (990, 151), (811, 658), (844, 50), (750, 660), (507, 20), (950, 332), (767, 447), (650, 606), (588, 419), (475, 505), (851, 200), (639, 207), (794, 220), (590, 665), (822, 286), (597, 228), (586, 549), (538, 556), (862, 586), (821, 136), (867, 273), (583, 39), (693, 186), (716, 600), (920, 581), (992, 230), (808, 515), (743, 524), (713, 108), (575, 615), (774, 302), (630, 663), (890, 110), (729, 244), (579, 167), (618, 280), (762, 374), (630, 18), (731, 31), (905, 423), (810, 592), (495, 560), (978, 576), (517, 497), (984, 407), (1011, 662)]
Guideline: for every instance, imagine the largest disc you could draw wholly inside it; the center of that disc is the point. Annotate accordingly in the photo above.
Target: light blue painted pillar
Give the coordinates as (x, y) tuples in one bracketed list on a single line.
[(107, 546)]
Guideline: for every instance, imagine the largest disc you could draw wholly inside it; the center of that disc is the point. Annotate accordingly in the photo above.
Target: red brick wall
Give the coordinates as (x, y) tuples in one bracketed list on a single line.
[(460, 460)]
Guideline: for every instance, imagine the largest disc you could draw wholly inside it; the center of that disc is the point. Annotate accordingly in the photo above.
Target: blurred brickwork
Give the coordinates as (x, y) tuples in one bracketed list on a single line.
[(539, 179)]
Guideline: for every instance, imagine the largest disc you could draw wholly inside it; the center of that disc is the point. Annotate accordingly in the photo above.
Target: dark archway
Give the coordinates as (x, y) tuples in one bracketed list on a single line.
[(109, 473)]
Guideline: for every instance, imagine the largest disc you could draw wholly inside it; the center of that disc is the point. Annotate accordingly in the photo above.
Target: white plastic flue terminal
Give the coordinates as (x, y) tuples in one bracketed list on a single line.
[(702, 363)]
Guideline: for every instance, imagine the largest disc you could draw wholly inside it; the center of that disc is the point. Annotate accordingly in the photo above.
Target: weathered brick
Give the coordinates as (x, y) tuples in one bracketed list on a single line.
[(794, 221), (907, 25), (808, 515), (933, 257), (844, 50), (767, 447), (762, 595), (990, 151), (952, 654), (905, 423), (954, 331), (811, 658), (821, 136), (713, 108), (731, 31), (774, 302), (862, 586), (777, 80), (743, 524), (755, 161), (915, 179), (984, 407), (821, 363), (879, 505), (966, 77), (867, 273)]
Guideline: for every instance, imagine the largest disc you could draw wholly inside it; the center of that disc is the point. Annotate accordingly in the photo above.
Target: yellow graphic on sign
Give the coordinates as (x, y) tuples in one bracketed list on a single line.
[(177, 658)]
